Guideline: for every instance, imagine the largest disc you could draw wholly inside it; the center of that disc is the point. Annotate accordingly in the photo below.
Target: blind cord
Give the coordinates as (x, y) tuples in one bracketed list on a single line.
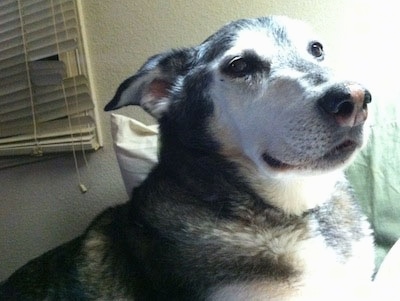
[(37, 150), (82, 186)]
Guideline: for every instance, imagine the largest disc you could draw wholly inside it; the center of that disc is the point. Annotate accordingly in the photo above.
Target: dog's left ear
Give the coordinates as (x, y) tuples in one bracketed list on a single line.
[(151, 86)]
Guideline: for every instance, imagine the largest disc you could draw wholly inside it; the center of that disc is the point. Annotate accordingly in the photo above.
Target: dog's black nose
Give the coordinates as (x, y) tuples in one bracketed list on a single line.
[(347, 103)]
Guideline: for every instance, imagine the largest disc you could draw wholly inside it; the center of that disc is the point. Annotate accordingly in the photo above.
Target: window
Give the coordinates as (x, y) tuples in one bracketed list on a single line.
[(45, 100)]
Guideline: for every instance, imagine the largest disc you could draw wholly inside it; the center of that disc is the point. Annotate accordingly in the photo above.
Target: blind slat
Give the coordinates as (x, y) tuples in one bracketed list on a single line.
[(14, 87), (51, 50), (17, 79), (9, 14), (62, 21), (9, 26), (12, 61), (85, 104), (10, 33), (7, 6), (9, 53), (9, 99), (41, 49), (44, 93), (83, 136), (49, 46), (89, 143), (63, 106), (54, 128), (34, 40), (32, 7), (5, 3), (10, 71), (10, 43), (43, 34)]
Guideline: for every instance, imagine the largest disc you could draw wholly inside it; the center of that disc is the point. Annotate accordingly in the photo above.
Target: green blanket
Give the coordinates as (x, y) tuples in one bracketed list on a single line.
[(375, 176)]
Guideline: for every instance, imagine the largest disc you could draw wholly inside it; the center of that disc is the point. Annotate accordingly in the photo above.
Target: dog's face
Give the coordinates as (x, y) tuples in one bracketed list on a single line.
[(278, 103), (256, 91)]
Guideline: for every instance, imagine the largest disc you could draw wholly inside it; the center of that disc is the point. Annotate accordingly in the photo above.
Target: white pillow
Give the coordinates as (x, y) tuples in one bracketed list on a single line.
[(387, 278), (389, 270), (136, 148)]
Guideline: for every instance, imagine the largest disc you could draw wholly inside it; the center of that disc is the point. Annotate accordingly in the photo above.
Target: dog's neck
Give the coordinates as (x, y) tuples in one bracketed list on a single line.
[(296, 194), (290, 192)]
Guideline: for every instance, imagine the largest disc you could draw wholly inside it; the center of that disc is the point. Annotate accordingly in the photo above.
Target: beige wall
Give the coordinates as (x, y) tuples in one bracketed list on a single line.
[(40, 204)]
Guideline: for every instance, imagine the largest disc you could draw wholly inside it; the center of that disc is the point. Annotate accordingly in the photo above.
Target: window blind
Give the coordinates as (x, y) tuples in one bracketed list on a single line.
[(45, 99)]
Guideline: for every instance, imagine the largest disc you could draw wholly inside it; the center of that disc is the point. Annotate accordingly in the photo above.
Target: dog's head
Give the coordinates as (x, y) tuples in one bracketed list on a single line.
[(258, 91)]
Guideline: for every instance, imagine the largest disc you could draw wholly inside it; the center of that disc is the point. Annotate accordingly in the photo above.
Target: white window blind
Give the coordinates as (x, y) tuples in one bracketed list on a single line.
[(45, 99)]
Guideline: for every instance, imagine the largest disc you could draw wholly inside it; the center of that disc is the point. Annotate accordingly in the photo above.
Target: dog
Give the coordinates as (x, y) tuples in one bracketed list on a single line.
[(248, 200)]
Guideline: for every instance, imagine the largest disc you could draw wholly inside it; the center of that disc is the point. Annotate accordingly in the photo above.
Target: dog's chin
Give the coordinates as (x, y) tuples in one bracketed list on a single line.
[(336, 157)]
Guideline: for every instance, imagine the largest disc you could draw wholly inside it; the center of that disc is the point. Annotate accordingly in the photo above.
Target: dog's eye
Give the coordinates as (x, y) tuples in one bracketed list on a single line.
[(245, 66), (238, 67), (316, 49)]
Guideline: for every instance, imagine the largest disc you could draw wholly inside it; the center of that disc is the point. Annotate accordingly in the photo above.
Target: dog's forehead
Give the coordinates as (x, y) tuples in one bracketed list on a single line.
[(264, 36)]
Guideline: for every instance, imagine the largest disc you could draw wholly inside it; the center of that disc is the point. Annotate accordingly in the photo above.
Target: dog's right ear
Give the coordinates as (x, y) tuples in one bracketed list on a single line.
[(151, 86)]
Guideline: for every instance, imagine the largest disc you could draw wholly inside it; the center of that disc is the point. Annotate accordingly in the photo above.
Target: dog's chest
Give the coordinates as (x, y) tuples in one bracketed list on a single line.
[(319, 269)]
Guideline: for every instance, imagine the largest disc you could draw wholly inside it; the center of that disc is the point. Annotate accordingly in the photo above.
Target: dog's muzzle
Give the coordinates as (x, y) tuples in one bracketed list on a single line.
[(347, 103)]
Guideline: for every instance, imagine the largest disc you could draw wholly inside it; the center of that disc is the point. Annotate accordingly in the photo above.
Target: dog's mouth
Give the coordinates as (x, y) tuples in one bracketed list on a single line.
[(337, 155), (275, 163), (342, 150)]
